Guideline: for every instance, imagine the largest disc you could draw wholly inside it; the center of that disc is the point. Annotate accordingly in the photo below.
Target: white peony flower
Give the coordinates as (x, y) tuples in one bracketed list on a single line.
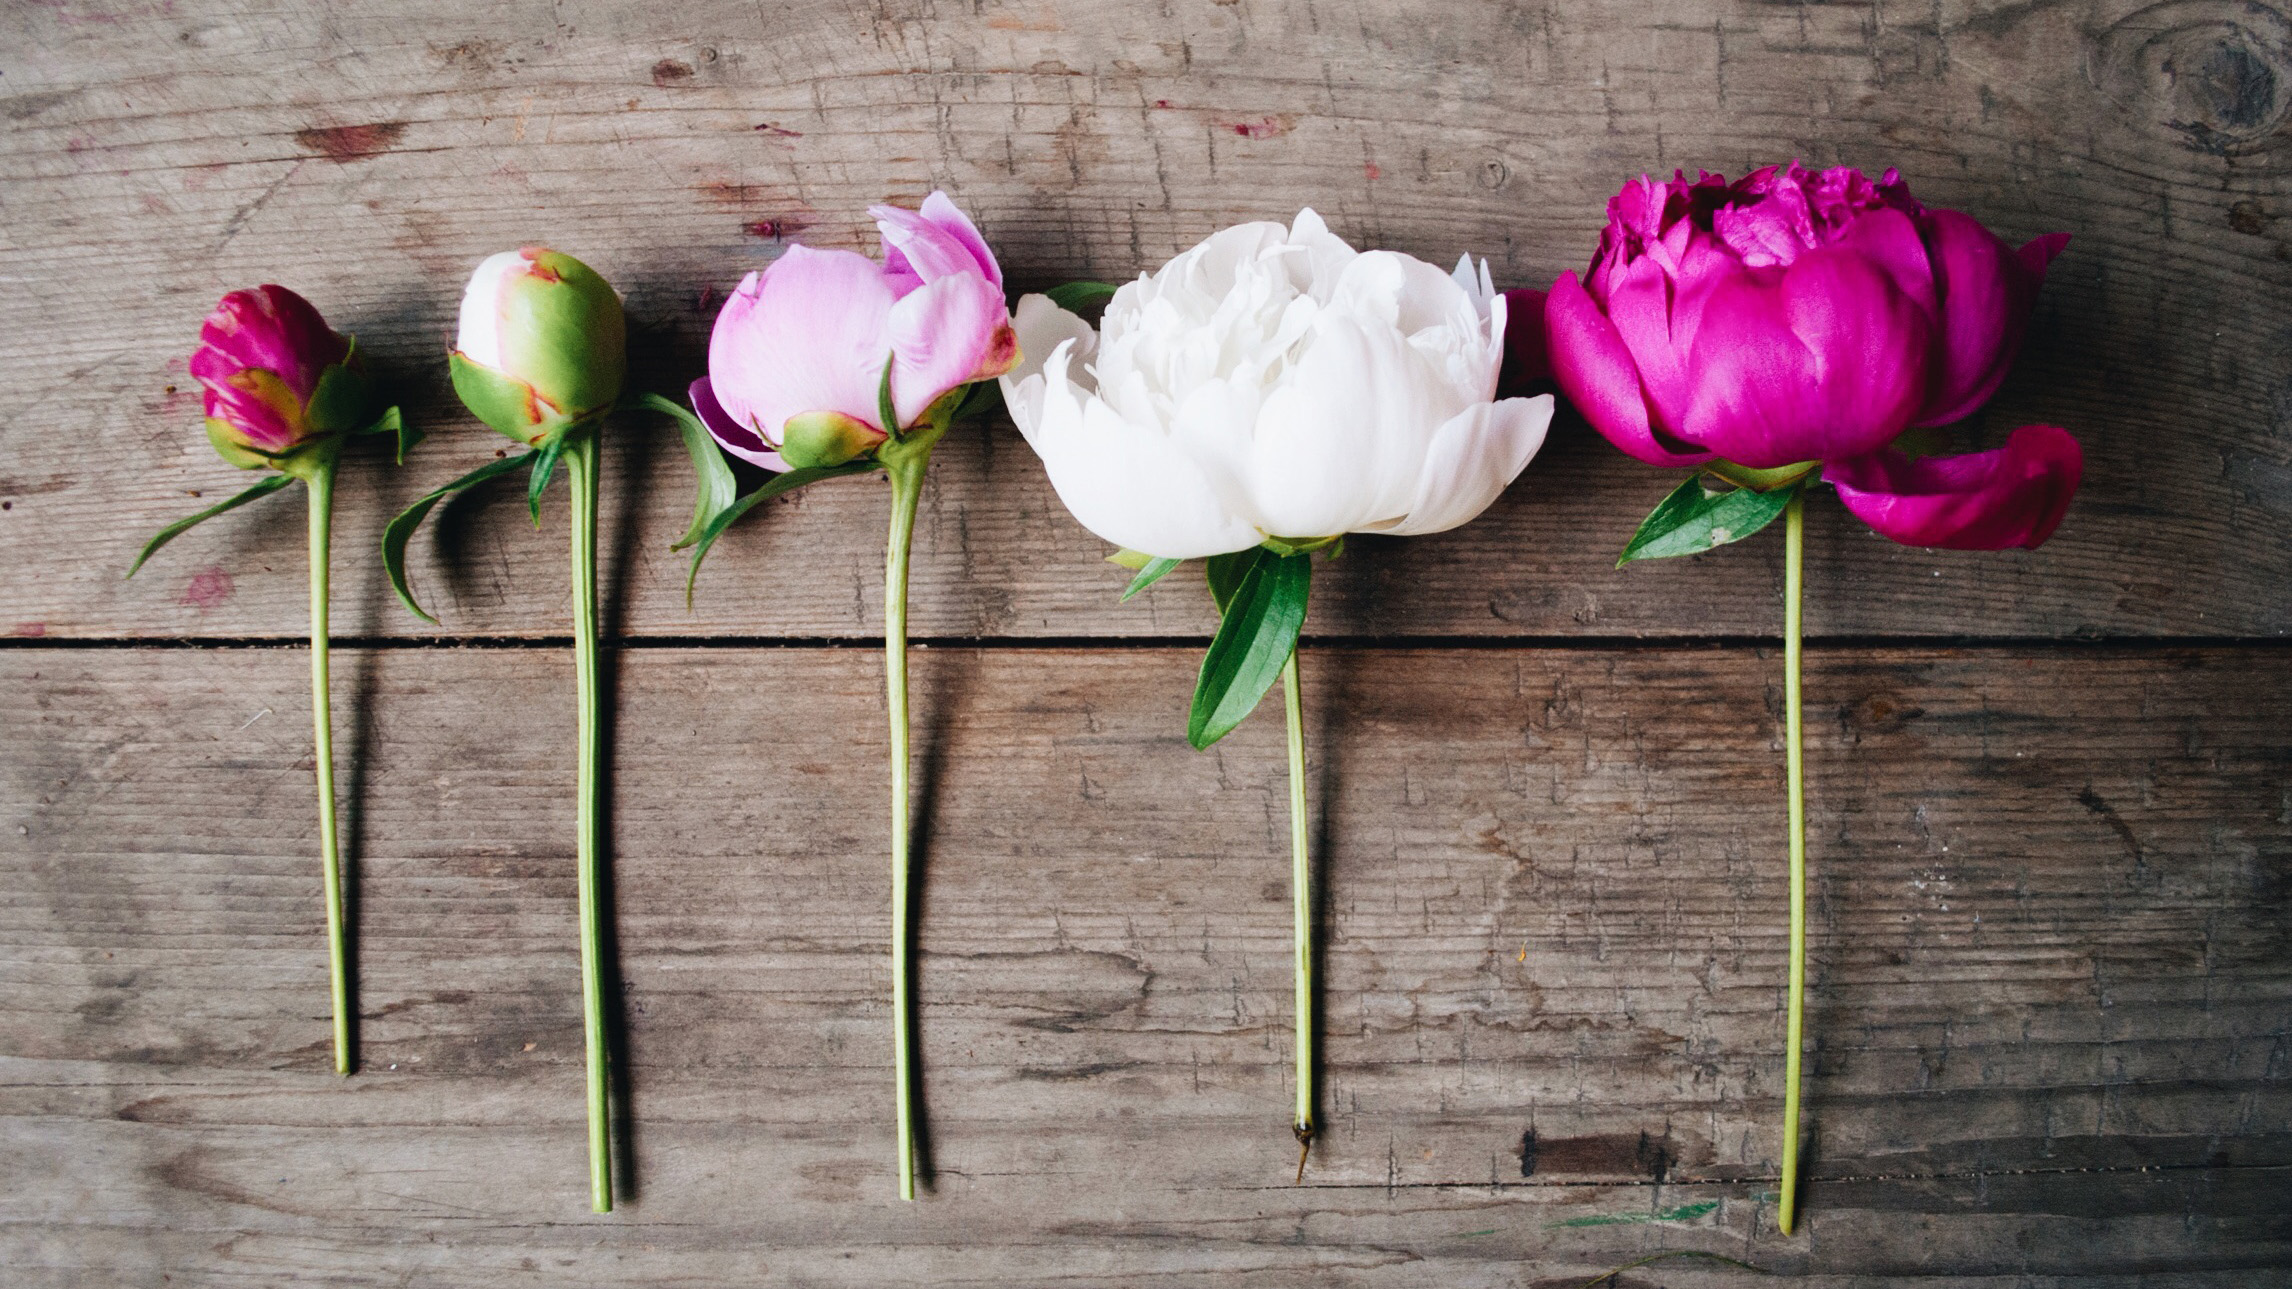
[(1274, 382)]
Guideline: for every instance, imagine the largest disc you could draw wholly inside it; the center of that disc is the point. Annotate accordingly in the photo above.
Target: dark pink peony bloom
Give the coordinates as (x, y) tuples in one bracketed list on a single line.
[(261, 356), (1795, 316)]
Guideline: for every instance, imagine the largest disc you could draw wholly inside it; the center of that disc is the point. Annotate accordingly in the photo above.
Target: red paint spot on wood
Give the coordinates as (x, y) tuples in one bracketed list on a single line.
[(1164, 103), (1267, 127), (31, 630), (669, 71), (350, 142), (774, 229), (778, 131), (208, 589), (1371, 171)]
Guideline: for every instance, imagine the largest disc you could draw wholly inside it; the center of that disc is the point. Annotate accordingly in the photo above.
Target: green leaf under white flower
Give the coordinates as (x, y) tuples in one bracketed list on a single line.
[(1154, 570), (1263, 615)]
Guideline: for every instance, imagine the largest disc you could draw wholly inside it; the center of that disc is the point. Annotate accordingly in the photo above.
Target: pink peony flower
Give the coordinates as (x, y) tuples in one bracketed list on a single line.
[(261, 355)]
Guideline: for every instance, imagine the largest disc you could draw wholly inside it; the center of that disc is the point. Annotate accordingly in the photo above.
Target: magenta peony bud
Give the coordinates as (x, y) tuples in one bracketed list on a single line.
[(796, 362), (276, 377)]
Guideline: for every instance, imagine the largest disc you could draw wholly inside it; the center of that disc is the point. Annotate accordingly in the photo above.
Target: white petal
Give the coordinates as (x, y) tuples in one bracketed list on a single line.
[(1473, 459), (1040, 325), (479, 335)]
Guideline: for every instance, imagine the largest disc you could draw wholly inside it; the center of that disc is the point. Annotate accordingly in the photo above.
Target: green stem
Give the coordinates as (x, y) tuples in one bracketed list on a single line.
[(581, 474), (1301, 903), (905, 461), (319, 477), (1794, 587)]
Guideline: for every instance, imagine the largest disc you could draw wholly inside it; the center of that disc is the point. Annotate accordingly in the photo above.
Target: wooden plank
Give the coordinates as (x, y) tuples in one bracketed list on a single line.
[(2050, 980), (158, 155)]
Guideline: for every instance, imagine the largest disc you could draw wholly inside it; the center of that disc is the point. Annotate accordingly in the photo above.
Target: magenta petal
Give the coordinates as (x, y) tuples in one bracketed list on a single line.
[(737, 439), (1826, 360), (1596, 372), (275, 330), (808, 334), (942, 333), (2014, 496), (1988, 290)]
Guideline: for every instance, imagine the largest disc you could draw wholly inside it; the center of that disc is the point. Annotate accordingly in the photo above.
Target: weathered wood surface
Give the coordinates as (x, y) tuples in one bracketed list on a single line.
[(157, 155), (2052, 984), (2049, 969)]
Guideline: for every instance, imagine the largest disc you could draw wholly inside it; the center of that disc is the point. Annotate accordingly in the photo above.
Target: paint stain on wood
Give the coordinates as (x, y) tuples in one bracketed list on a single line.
[(1601, 1155), (350, 142), (669, 71), (778, 131), (1265, 127), (208, 588)]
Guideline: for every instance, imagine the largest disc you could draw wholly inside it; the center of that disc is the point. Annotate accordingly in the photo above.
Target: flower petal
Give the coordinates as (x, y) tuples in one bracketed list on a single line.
[(810, 333), (2014, 496), (944, 332), (1988, 290), (736, 438), (935, 242), (1473, 459), (1596, 372)]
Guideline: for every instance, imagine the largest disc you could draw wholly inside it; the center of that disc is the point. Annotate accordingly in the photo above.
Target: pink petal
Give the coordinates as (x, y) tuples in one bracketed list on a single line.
[(1824, 360), (808, 334), (1596, 372), (274, 329), (934, 242), (2014, 496), (1987, 290), (943, 333), (737, 439)]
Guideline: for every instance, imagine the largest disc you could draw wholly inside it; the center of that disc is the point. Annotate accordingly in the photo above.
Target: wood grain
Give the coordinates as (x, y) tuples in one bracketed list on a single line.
[(159, 155), (2051, 985)]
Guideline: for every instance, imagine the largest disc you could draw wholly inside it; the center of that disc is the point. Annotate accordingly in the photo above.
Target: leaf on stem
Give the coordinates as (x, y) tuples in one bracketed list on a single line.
[(885, 410), (775, 486), (392, 422), (714, 487), (1695, 518), (1079, 297), (1225, 573), (268, 485), (1262, 619), (544, 460), (401, 529), (1154, 570)]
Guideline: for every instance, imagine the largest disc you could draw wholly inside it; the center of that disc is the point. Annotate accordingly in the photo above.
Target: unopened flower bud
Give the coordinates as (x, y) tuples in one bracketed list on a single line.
[(276, 377), (542, 343)]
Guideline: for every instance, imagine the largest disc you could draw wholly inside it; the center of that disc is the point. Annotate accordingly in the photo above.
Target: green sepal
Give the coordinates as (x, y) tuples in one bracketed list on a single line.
[(713, 485), (219, 433), (401, 529), (263, 487), (1151, 572), (1076, 297), (1130, 559), (885, 410), (1253, 643), (825, 438), (1695, 518), (1743, 476), (501, 401), (1300, 545), (544, 458), (342, 401), (393, 422), (777, 485)]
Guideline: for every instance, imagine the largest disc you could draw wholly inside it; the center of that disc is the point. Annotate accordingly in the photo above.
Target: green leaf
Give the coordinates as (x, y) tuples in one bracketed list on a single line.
[(544, 460), (1695, 518), (342, 399), (1154, 571), (391, 422), (777, 485), (884, 409), (714, 486), (268, 485), (1225, 573), (401, 529), (1130, 559), (1743, 476), (985, 397), (1077, 297), (1253, 643)]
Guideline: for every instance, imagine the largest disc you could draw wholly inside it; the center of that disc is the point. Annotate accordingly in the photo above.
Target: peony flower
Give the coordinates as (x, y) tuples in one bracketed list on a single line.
[(796, 362), (276, 378), (1274, 383), (1251, 402), (283, 390), (542, 343), (1793, 320)]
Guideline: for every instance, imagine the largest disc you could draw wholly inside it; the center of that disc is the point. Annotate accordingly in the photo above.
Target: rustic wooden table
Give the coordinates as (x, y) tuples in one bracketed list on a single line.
[(2051, 792)]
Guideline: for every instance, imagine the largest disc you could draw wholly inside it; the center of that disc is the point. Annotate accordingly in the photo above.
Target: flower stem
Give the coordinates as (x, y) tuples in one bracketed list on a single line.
[(581, 475), (904, 460), (1794, 588), (319, 478), (1301, 902)]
